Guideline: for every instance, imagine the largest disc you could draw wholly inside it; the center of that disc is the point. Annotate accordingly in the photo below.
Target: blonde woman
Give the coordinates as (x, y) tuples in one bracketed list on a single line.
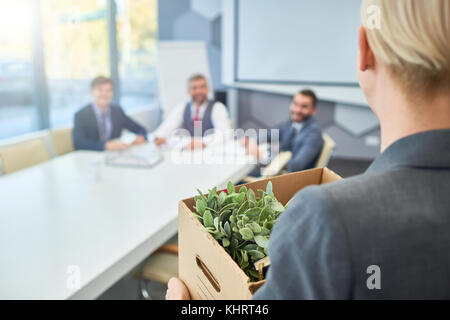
[(384, 234)]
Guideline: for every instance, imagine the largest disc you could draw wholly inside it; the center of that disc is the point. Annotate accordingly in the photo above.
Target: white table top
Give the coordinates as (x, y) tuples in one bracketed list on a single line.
[(104, 220)]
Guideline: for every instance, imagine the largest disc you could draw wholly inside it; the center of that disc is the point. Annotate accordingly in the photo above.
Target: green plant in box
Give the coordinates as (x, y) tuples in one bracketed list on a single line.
[(241, 221)]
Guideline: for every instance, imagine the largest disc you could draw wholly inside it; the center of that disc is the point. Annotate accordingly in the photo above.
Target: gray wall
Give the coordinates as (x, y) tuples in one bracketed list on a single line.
[(354, 128), (194, 20)]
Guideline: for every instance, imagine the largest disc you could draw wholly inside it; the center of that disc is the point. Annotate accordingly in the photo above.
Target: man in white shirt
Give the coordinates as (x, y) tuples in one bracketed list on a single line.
[(197, 116)]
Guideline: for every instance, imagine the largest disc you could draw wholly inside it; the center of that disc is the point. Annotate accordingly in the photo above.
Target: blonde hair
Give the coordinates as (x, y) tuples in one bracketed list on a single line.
[(412, 38)]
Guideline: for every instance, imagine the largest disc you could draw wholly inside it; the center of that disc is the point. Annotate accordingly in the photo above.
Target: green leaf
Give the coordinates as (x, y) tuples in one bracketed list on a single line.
[(225, 242), (255, 254), (267, 200), (262, 241), (255, 227), (202, 196), (276, 206), (212, 194), (221, 198), (251, 246), (253, 274), (244, 256), (240, 198), (251, 195), (246, 233), (242, 208), (217, 235), (216, 223), (261, 193), (212, 203), (269, 187), (227, 228), (225, 215), (230, 187), (264, 214), (229, 206), (243, 189), (211, 230), (252, 212), (208, 219), (264, 232), (200, 206), (268, 224)]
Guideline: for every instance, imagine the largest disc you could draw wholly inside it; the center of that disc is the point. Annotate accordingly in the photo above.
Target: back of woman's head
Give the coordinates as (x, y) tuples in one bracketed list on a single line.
[(413, 39)]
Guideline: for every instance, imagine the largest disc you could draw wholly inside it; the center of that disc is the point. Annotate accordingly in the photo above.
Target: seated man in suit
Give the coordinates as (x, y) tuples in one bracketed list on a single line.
[(300, 134), (199, 113), (98, 125)]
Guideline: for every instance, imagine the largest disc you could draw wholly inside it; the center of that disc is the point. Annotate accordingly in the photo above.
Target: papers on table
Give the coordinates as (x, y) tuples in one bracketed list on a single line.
[(139, 156)]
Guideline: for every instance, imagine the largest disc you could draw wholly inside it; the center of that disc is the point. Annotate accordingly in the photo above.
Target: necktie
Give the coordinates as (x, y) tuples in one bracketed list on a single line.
[(197, 120), (103, 127)]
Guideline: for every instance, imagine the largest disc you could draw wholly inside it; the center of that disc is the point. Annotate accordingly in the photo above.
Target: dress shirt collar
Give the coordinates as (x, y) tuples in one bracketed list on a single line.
[(297, 126), (202, 106), (99, 112)]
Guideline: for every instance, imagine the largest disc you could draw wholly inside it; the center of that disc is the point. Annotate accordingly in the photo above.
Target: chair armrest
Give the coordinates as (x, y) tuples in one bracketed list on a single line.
[(277, 164), (168, 248)]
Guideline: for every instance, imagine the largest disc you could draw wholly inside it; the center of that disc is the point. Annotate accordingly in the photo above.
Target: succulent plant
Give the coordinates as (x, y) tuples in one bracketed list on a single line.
[(241, 221)]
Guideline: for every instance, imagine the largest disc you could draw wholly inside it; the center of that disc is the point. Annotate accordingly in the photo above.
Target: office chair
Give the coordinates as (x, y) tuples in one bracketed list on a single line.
[(274, 168), (277, 165), (23, 155), (159, 267), (62, 141), (327, 151)]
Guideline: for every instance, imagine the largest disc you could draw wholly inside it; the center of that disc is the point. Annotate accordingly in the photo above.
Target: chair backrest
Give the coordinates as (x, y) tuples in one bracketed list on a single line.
[(62, 141), (23, 155), (327, 151)]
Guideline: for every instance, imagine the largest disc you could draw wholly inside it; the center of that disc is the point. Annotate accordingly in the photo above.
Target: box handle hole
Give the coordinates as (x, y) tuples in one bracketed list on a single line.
[(208, 274)]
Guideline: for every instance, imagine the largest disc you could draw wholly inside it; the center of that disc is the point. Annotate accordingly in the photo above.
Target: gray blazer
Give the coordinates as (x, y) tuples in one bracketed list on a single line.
[(395, 216)]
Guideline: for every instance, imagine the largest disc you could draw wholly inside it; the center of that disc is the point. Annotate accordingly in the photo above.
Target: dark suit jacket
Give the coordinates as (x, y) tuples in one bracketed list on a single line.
[(305, 145), (395, 216), (86, 132)]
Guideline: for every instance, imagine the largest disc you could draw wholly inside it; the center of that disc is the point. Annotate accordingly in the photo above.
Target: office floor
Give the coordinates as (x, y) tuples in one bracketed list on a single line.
[(127, 287)]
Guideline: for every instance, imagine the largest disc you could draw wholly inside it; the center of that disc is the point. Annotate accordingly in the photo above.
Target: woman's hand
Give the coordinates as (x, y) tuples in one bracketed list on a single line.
[(177, 290)]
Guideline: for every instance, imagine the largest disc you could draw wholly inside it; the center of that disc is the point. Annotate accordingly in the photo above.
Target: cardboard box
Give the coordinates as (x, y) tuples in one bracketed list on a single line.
[(205, 267)]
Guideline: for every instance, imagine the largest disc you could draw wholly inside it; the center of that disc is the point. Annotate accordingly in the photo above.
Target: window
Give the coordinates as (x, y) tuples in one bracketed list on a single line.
[(18, 112), (76, 50), (43, 85), (136, 39)]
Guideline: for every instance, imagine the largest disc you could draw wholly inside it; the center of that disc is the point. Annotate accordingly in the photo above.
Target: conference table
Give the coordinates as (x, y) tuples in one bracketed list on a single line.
[(73, 226)]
